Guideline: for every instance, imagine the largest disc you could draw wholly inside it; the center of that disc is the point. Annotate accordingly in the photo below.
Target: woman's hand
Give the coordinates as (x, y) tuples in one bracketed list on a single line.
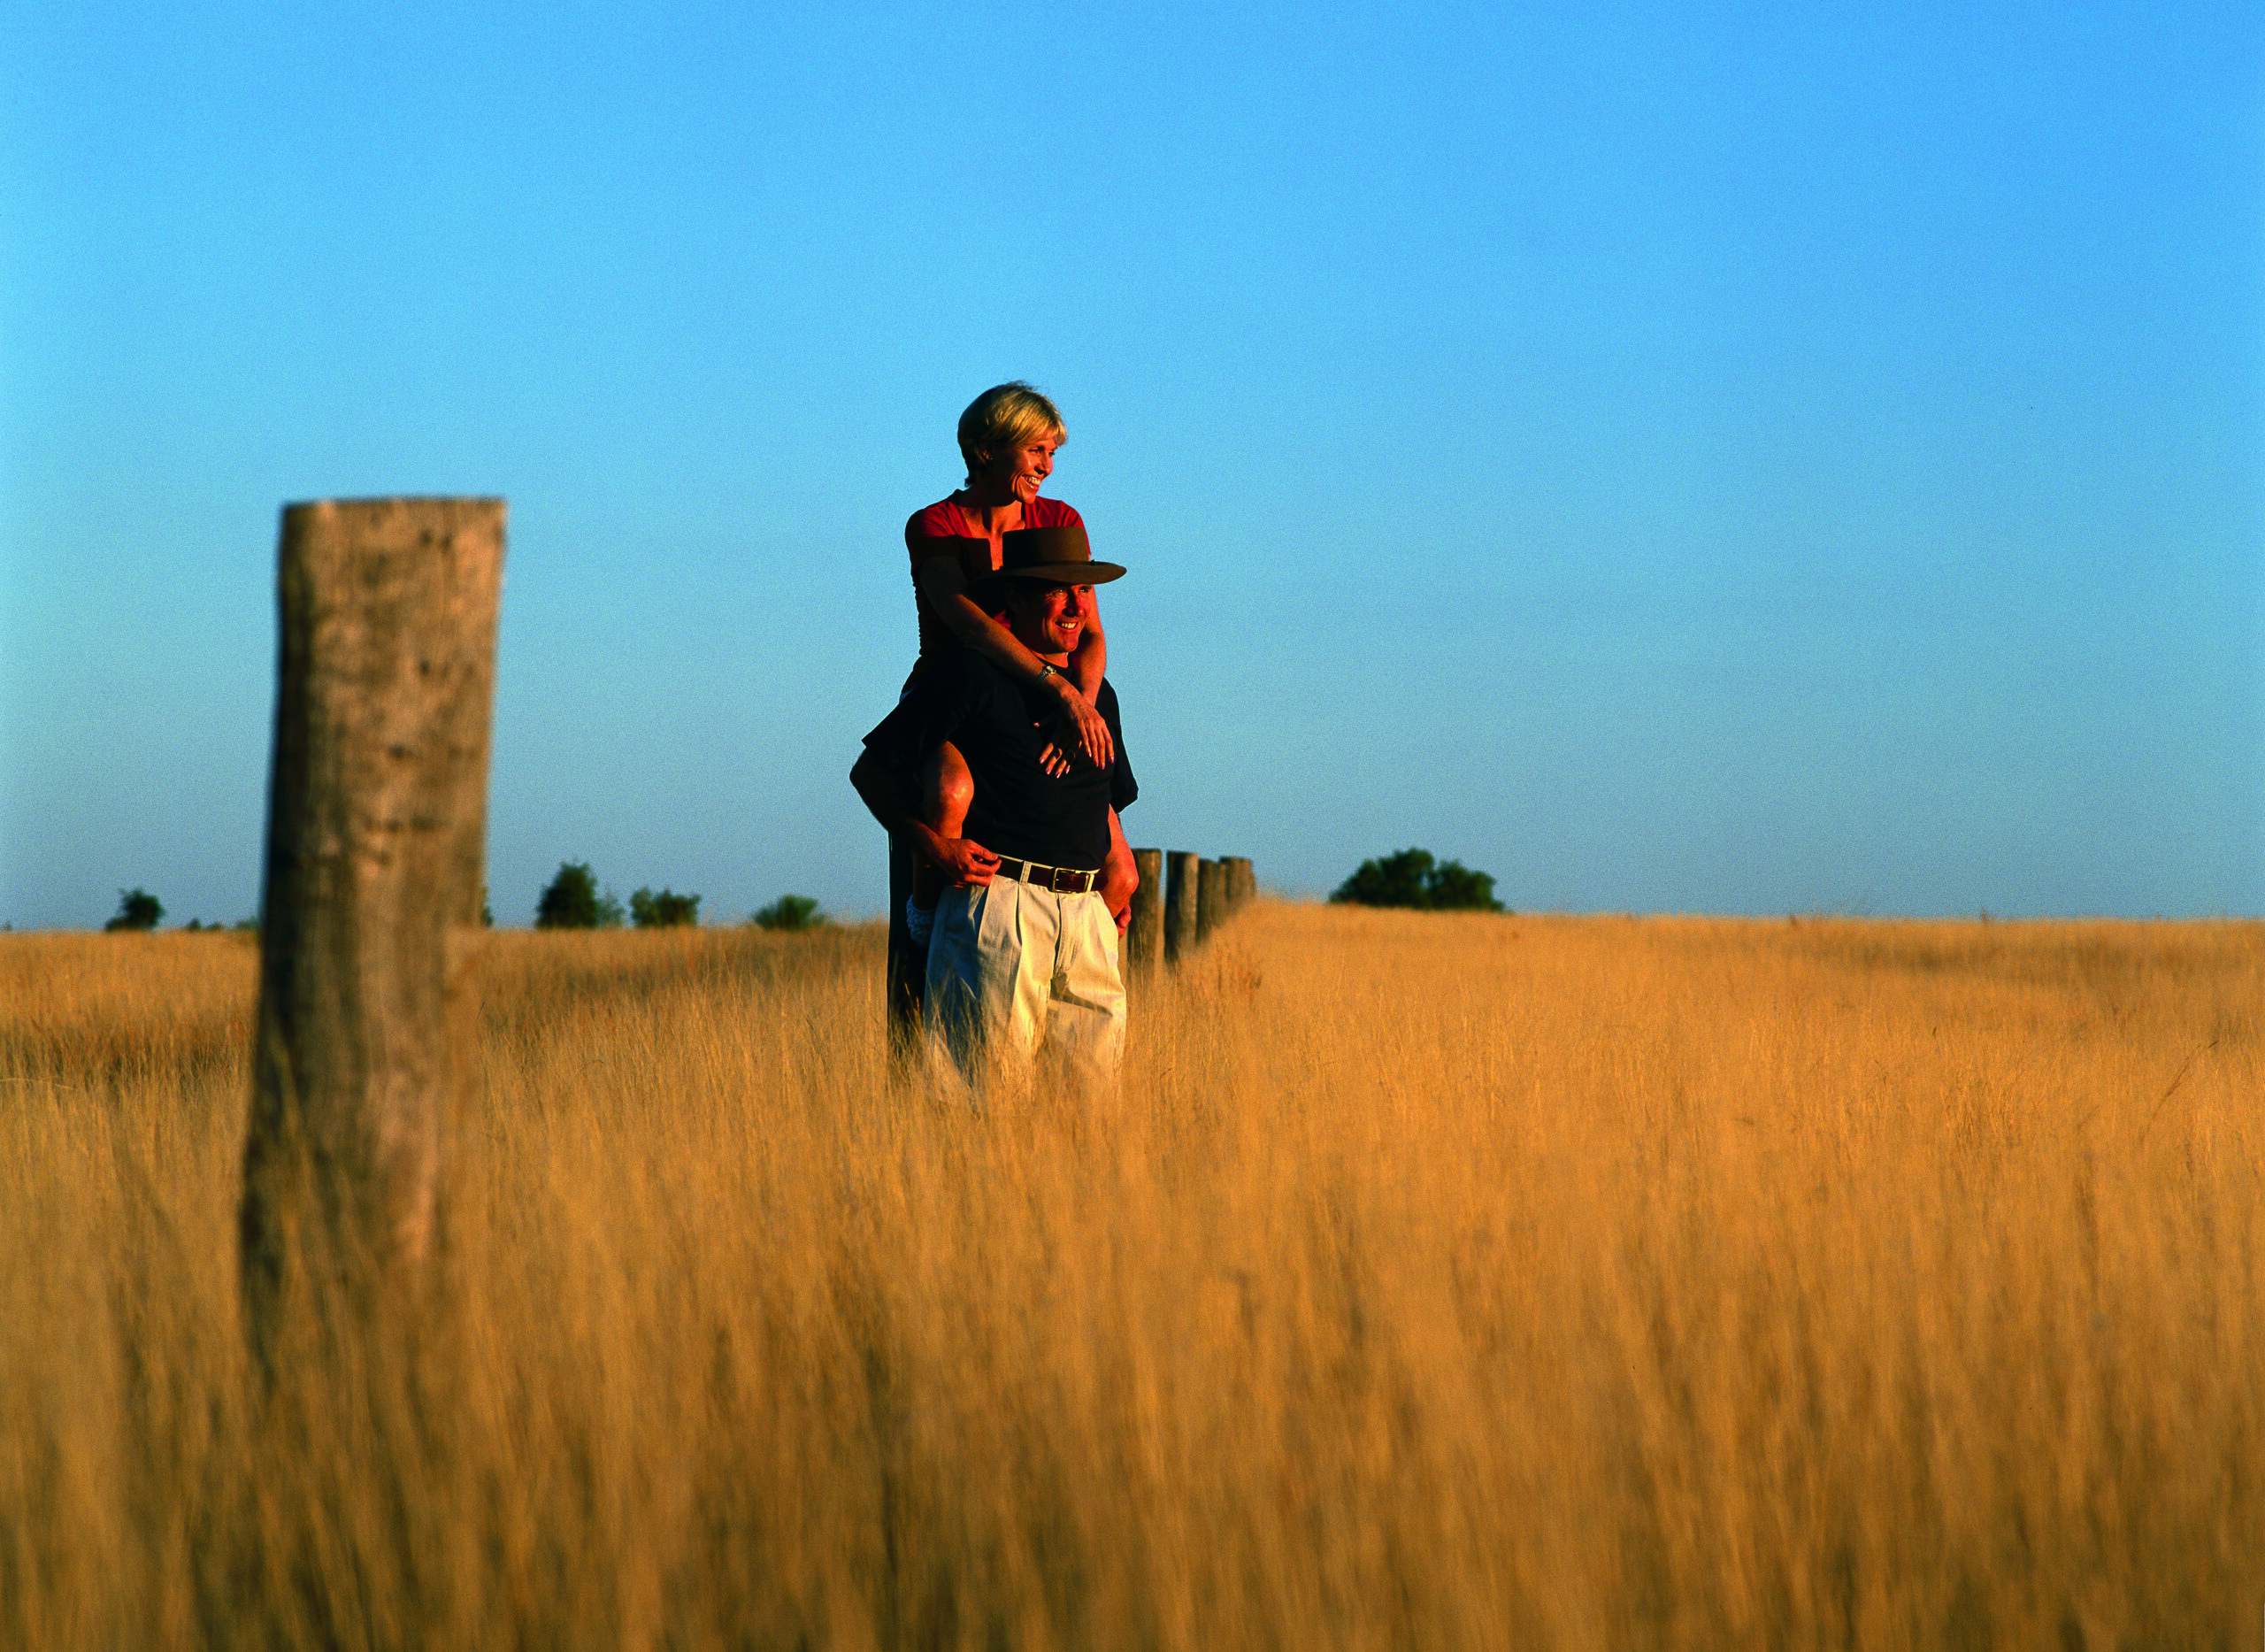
[(1079, 727)]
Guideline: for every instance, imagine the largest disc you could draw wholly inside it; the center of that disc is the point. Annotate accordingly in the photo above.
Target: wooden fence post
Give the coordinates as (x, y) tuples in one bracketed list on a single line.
[(1242, 882), (371, 906), (1144, 937), (1182, 889), (1211, 899)]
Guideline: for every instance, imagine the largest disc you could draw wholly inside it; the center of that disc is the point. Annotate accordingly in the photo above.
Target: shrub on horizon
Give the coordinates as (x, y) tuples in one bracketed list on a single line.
[(1455, 888), (137, 909), (1411, 879), (666, 910), (790, 914), (572, 901)]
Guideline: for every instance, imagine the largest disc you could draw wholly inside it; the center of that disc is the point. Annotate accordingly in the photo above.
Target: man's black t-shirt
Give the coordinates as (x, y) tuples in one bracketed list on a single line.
[(1019, 810)]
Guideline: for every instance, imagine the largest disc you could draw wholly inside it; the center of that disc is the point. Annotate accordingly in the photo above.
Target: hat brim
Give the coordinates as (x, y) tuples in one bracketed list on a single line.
[(1060, 574)]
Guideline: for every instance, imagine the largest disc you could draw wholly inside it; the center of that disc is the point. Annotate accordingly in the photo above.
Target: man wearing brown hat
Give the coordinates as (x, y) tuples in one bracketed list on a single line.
[(1024, 954)]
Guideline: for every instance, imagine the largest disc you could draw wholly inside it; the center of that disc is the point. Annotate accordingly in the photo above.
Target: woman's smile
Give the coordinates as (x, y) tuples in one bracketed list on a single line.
[(1028, 467)]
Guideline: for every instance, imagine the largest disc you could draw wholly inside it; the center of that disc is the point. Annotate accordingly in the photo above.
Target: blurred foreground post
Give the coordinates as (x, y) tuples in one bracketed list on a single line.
[(1210, 899), (1181, 888), (371, 906), (1144, 937)]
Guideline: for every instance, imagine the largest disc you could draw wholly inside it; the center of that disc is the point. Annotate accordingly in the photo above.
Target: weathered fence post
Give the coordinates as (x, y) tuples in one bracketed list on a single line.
[(1242, 882), (905, 975), (371, 906), (1144, 937), (1182, 889), (1210, 899)]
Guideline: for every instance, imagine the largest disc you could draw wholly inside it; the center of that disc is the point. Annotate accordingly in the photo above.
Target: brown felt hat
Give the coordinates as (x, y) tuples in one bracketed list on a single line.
[(1059, 554)]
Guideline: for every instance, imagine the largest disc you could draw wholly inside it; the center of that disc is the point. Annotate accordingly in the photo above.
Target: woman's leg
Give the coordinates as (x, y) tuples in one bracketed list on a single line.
[(946, 792)]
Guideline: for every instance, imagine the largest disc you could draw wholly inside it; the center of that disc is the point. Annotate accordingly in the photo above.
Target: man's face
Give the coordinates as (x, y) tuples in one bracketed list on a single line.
[(1050, 619)]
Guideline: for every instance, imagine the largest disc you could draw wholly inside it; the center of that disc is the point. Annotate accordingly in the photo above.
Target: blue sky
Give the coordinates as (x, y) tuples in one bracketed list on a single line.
[(1714, 459)]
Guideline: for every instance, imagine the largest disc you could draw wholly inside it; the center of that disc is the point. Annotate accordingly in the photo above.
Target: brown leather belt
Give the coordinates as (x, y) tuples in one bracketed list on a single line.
[(1061, 880)]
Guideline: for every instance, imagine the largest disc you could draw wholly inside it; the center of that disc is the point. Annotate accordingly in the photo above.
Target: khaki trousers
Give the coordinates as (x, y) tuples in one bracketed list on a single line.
[(1016, 971)]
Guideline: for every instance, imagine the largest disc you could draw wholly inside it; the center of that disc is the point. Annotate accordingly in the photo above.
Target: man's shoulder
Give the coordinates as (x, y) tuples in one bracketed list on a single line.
[(945, 692), (977, 675), (962, 674)]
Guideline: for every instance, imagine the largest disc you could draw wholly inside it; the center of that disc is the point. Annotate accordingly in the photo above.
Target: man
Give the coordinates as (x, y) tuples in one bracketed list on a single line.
[(1024, 953)]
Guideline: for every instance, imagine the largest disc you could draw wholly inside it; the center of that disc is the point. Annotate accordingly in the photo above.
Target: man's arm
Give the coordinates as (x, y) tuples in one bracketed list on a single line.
[(889, 793), (1120, 875)]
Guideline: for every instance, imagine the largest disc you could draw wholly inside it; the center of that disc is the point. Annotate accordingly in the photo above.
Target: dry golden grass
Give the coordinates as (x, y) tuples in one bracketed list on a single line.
[(1434, 1282)]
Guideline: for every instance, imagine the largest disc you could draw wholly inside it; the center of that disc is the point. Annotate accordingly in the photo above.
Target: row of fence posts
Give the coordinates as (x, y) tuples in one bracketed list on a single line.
[(1182, 900)]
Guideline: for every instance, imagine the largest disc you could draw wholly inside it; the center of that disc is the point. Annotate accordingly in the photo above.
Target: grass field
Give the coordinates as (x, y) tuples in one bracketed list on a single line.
[(1432, 1282)]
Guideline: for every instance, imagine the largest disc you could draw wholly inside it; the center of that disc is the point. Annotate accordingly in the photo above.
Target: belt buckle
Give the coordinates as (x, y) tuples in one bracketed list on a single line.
[(1062, 880)]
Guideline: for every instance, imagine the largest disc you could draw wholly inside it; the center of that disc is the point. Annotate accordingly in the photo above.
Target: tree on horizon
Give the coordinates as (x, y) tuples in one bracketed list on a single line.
[(572, 901), (137, 910), (666, 910), (1413, 880), (790, 914)]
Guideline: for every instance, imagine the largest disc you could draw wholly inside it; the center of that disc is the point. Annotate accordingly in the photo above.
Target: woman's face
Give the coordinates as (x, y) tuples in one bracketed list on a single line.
[(1022, 471)]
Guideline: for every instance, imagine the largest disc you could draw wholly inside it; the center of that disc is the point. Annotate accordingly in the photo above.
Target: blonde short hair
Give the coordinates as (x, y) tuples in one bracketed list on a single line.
[(1001, 420)]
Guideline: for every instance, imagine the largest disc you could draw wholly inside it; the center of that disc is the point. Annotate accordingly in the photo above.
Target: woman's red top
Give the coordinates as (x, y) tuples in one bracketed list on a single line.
[(944, 530)]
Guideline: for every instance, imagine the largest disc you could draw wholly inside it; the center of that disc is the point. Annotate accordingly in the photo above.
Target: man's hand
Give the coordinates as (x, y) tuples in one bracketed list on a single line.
[(887, 793), (962, 859), (1120, 876)]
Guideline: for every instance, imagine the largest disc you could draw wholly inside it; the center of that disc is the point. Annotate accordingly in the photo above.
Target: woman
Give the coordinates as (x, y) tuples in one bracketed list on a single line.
[(1007, 437)]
